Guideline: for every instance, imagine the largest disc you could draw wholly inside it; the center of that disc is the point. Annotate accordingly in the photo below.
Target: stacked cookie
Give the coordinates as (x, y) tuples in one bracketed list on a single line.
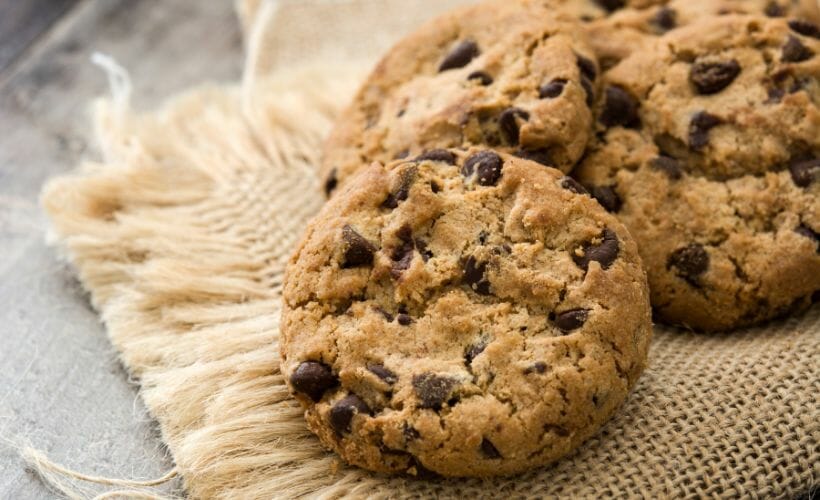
[(510, 190)]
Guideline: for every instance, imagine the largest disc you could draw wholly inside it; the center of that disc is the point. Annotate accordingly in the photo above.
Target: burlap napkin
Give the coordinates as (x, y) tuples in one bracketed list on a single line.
[(181, 234)]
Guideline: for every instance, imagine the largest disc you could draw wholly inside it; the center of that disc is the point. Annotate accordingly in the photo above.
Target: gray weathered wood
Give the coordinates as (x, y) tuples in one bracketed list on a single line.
[(61, 386), (22, 22)]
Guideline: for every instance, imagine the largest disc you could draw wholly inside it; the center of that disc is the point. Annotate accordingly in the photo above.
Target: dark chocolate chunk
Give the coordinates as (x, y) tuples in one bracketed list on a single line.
[(712, 77), (486, 165), (390, 202), (432, 389), (483, 77), (552, 89), (342, 413), (537, 367), (331, 182), (805, 28), (312, 379), (460, 56), (404, 319), (383, 373), (665, 18), (795, 51), (474, 276), (587, 67), (489, 450), (805, 172), (410, 433), (385, 314), (775, 95), (667, 165), (508, 123), (689, 262), (772, 9), (357, 250), (425, 252), (607, 197), (571, 320), (540, 155), (611, 5), (573, 185), (407, 176), (588, 90), (474, 350), (699, 127), (441, 155), (620, 108), (810, 233), (604, 252), (434, 187), (402, 256)]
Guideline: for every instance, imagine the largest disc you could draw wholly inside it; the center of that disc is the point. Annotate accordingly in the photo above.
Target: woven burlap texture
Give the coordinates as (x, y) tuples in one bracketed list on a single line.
[(181, 234)]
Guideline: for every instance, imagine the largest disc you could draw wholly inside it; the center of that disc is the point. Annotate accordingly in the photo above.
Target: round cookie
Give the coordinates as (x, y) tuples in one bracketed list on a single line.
[(709, 153), (466, 313), (516, 75)]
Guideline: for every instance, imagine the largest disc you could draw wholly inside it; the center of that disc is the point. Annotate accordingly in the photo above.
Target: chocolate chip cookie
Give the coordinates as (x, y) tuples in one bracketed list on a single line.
[(517, 76), (468, 313), (709, 152)]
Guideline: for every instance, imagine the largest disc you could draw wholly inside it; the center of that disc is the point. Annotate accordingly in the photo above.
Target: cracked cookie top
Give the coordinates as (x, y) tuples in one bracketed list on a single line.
[(709, 152), (468, 313), (516, 75)]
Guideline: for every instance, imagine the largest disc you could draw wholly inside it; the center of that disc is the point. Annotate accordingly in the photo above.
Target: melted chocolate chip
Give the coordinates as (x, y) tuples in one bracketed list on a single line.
[(460, 56), (486, 165), (712, 77), (620, 108), (604, 252), (573, 185), (383, 373), (588, 90), (483, 77), (607, 197), (312, 379), (404, 319), (440, 155), (421, 245), (587, 67), (795, 51), (489, 450), (508, 123), (357, 250), (667, 165), (408, 175), (699, 127), (552, 89), (571, 320), (537, 367), (474, 276), (689, 262), (402, 256), (611, 5), (432, 389), (772, 9), (474, 350), (805, 172), (540, 155), (390, 202), (665, 18), (331, 182), (805, 28), (342, 413)]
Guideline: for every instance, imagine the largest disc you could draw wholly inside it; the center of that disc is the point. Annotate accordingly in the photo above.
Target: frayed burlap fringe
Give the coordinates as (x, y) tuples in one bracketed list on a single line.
[(181, 234)]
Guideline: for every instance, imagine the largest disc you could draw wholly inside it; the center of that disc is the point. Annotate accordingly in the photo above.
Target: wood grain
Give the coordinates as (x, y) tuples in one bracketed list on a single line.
[(23, 21)]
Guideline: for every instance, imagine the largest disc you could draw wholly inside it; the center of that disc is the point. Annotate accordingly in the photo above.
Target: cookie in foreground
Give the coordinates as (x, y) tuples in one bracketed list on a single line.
[(467, 313), (517, 76), (709, 152)]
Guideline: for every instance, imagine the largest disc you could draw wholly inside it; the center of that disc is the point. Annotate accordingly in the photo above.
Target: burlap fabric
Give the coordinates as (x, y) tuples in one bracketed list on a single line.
[(181, 234)]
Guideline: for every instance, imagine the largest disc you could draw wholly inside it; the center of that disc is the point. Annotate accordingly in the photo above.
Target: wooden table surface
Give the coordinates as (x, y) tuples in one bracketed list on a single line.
[(62, 388)]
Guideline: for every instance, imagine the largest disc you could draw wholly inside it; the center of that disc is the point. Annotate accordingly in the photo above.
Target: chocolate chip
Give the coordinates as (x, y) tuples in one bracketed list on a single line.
[(805, 28), (312, 379), (810, 233), (410, 433), (587, 67), (537, 367), (385, 314), (460, 56), (540, 155), (432, 389), (712, 77), (689, 262), (483, 77), (552, 89), (611, 5), (404, 319), (588, 90), (358, 251), (571, 320), (508, 123), (775, 95), (489, 450), (665, 18), (390, 202), (406, 179), (620, 108), (573, 185), (482, 237), (383, 373), (434, 187), (474, 276), (341, 414), (805, 172), (331, 182), (604, 252), (699, 128), (402, 256), (772, 9), (667, 165), (474, 350), (795, 51), (440, 155), (421, 245), (486, 164), (607, 197)]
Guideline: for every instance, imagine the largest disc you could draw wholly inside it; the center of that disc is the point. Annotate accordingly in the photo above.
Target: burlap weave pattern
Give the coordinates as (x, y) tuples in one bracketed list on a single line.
[(181, 234)]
